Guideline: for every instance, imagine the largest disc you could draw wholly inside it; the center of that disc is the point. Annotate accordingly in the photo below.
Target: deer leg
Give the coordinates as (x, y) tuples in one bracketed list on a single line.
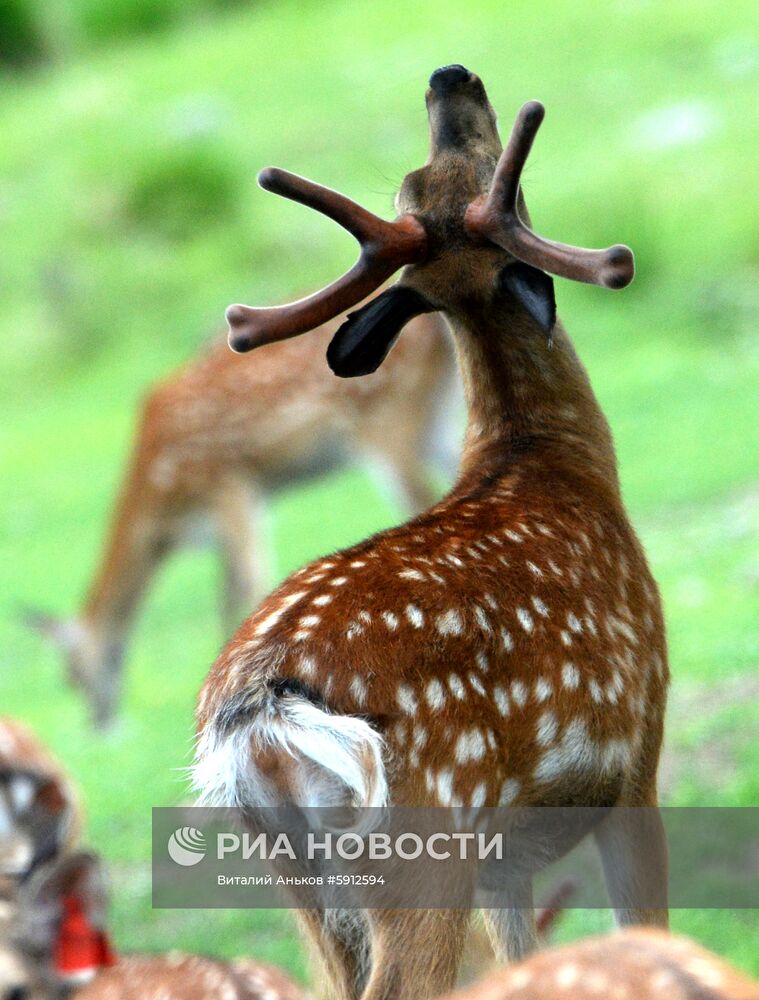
[(511, 928), (340, 941), (416, 954), (133, 558), (633, 849), (401, 476), (235, 511)]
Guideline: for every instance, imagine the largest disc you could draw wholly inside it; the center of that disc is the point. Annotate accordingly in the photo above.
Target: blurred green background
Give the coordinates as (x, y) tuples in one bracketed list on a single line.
[(131, 132)]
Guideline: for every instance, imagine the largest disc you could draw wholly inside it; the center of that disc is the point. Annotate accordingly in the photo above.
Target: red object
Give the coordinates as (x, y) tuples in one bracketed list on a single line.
[(80, 947)]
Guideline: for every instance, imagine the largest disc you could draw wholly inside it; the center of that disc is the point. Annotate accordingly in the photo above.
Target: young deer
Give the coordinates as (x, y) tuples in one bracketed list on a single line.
[(507, 647), (219, 435), (629, 965), (53, 944), (40, 814)]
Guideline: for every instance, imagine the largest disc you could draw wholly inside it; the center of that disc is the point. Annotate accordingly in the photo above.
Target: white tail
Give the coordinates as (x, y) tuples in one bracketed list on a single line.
[(212, 442), (631, 965), (508, 645)]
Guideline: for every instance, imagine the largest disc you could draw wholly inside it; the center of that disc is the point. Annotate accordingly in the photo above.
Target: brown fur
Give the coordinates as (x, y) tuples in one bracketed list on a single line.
[(508, 631), (184, 977), (629, 965)]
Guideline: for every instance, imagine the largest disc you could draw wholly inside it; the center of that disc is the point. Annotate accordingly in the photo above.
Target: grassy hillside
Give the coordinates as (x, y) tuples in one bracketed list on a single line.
[(129, 218)]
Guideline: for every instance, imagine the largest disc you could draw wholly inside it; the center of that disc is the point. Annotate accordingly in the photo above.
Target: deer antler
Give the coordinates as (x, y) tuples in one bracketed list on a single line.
[(495, 217), (385, 247)]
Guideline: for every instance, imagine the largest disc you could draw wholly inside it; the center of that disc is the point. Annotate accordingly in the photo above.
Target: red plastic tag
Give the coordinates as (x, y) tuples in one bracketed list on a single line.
[(80, 947)]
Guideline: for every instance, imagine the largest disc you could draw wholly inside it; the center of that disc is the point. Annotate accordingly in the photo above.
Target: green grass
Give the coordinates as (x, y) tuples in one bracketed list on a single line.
[(130, 217)]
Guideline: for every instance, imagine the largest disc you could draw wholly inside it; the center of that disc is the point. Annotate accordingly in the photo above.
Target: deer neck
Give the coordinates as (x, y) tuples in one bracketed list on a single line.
[(107, 616), (528, 402)]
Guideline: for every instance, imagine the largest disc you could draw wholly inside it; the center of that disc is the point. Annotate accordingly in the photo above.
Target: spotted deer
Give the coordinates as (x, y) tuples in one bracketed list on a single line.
[(183, 977), (507, 646), (215, 439), (40, 812), (635, 964), (53, 944)]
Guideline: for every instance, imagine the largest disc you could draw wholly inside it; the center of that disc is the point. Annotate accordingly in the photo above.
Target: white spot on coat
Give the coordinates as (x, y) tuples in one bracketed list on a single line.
[(470, 746), (518, 693), (501, 700), (358, 689), (482, 619), (476, 683), (271, 619), (543, 689), (450, 623), (574, 623), (415, 616), (445, 787), (540, 607), (478, 795), (570, 676), (525, 619), (406, 699), (509, 791), (412, 574), (435, 694), (457, 687)]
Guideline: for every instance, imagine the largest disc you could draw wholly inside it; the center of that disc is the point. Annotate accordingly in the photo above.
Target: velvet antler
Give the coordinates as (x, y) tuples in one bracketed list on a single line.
[(385, 247), (495, 217)]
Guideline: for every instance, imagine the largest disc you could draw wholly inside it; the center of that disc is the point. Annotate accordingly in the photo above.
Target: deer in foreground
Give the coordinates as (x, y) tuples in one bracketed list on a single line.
[(506, 647), (213, 441), (40, 813), (634, 964), (53, 944)]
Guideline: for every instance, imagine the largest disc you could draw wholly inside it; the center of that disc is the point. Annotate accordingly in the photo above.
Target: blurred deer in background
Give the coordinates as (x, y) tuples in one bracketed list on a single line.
[(629, 965), (53, 944), (217, 437), (505, 648)]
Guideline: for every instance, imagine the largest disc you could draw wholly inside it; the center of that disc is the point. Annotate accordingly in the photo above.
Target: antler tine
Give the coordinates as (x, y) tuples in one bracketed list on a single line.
[(495, 217), (385, 247)]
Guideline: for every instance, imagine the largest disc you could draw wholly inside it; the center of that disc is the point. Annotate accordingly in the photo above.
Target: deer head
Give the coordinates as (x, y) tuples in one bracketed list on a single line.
[(35, 916), (92, 660), (462, 237)]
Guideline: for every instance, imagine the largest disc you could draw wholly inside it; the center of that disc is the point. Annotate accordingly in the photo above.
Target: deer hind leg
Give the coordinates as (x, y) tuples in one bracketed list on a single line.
[(241, 552), (633, 849), (416, 954), (512, 928), (341, 943)]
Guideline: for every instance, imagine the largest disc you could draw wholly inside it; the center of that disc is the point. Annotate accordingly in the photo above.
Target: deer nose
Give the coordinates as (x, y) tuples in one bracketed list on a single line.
[(16, 993), (447, 79)]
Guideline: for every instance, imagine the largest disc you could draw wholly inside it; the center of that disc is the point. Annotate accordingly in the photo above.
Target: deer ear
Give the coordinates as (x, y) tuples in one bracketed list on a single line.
[(363, 341), (533, 289)]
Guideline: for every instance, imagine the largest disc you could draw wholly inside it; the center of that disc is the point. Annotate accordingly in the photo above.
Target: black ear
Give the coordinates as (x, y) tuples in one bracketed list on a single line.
[(363, 341), (533, 288)]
